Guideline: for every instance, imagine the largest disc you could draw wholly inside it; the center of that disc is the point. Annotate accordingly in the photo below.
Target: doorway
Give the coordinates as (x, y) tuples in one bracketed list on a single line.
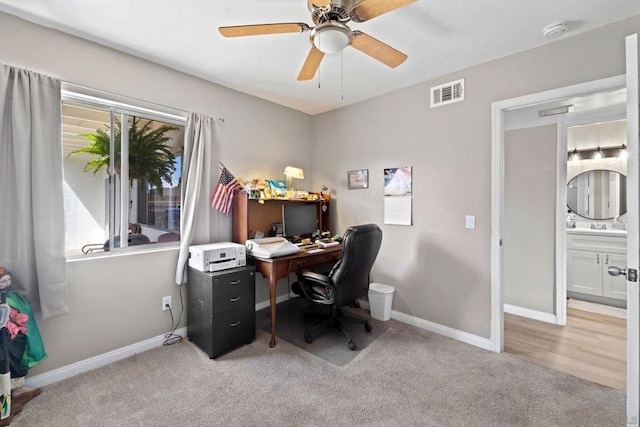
[(512, 115), (536, 171), (538, 326), (519, 112)]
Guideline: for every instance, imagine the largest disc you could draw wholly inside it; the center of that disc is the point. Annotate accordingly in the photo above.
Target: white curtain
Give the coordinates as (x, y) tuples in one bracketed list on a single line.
[(198, 133), (31, 200)]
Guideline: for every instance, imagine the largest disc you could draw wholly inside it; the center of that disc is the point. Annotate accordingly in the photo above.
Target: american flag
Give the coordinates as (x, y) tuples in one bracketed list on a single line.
[(223, 193)]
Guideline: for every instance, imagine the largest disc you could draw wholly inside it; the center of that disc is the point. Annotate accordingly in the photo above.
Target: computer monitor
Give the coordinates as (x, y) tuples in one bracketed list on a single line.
[(299, 220)]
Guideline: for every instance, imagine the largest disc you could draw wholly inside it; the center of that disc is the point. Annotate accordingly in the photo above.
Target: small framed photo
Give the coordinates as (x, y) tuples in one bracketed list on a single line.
[(358, 179)]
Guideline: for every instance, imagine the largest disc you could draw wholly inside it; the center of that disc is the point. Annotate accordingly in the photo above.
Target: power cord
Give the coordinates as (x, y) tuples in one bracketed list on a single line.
[(171, 337)]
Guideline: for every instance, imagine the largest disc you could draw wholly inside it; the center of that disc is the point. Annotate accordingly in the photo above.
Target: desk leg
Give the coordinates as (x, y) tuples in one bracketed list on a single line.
[(273, 287)]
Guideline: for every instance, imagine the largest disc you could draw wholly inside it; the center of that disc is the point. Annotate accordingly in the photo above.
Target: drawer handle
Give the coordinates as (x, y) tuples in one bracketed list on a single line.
[(235, 282), (235, 299), (234, 324), (301, 263), (607, 259), (597, 258)]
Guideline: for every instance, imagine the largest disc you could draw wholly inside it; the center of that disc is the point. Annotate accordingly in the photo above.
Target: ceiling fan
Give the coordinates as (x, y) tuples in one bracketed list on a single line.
[(331, 33)]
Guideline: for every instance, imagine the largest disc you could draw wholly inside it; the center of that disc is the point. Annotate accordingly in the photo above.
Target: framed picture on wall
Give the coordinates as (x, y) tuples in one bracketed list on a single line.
[(358, 179)]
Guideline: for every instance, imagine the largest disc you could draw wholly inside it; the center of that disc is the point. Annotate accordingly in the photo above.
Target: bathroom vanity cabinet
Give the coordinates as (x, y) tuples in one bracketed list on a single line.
[(589, 254)]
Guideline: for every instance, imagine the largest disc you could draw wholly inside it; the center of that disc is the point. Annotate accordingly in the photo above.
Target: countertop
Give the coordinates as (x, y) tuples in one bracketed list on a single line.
[(588, 231)]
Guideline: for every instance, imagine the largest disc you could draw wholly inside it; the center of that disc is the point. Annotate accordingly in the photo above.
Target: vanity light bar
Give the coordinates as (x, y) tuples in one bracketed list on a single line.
[(577, 153)]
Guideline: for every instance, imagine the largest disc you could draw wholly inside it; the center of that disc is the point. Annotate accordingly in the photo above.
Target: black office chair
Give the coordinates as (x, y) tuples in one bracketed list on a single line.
[(347, 281)]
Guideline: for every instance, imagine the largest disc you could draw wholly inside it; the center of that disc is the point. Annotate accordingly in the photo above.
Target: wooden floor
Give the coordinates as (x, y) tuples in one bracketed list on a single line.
[(591, 346)]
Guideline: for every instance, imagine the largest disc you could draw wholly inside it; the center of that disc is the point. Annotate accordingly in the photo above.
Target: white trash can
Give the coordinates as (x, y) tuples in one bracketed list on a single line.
[(380, 300)]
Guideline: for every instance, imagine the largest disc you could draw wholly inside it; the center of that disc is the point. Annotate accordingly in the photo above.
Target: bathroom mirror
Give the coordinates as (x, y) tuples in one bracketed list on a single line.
[(598, 194)]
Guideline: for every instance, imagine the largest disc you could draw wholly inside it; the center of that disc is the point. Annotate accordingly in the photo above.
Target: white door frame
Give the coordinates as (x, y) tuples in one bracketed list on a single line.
[(633, 230), (497, 197)]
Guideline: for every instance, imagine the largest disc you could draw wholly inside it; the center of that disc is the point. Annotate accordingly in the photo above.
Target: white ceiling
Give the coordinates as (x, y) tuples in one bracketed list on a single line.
[(439, 37)]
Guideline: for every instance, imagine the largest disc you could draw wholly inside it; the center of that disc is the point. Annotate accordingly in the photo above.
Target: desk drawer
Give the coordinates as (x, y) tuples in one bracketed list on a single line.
[(235, 297), (232, 329), (230, 284), (316, 259), (233, 290)]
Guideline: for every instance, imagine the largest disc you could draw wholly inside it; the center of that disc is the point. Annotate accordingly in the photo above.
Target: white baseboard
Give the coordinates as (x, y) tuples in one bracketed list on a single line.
[(446, 331), (98, 361), (95, 362), (531, 314), (86, 365)]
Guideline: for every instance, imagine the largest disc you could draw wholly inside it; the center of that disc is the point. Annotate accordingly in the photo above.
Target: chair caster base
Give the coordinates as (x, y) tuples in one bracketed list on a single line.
[(308, 338), (352, 346), (367, 326)]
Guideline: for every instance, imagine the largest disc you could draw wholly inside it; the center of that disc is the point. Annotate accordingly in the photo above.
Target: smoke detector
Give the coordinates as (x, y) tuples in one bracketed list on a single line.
[(554, 31)]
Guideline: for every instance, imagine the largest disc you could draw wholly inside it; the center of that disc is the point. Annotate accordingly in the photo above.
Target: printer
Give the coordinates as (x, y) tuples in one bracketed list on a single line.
[(217, 256)]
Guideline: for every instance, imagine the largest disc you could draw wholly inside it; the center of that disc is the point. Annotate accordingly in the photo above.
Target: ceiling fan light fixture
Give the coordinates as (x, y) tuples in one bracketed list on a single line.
[(331, 37)]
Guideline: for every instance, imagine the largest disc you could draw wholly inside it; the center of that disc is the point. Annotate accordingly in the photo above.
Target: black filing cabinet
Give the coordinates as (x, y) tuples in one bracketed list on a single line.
[(221, 309)]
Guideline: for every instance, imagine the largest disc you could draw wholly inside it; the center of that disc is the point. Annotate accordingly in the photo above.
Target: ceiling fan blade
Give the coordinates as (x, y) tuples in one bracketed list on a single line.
[(318, 3), (377, 50), (311, 64), (369, 9), (260, 29)]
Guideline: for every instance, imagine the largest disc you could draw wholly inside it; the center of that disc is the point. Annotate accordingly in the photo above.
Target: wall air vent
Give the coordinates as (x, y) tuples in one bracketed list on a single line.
[(447, 93)]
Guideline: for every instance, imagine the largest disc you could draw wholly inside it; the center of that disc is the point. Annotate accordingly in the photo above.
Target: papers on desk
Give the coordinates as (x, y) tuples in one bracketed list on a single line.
[(327, 243), (270, 247)]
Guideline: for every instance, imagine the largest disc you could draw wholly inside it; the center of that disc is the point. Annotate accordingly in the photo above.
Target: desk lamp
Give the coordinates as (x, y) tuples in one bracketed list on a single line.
[(292, 172)]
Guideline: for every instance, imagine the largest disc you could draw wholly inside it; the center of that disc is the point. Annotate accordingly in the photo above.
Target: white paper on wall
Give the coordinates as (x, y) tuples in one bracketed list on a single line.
[(397, 196)]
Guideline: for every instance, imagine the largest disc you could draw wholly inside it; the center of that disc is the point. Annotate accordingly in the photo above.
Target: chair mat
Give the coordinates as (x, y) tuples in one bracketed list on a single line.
[(330, 346)]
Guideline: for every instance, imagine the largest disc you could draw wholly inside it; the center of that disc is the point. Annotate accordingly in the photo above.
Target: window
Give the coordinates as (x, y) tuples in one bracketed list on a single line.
[(114, 153)]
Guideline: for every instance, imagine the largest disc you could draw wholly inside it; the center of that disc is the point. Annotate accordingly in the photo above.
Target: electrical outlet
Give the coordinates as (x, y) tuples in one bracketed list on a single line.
[(166, 303)]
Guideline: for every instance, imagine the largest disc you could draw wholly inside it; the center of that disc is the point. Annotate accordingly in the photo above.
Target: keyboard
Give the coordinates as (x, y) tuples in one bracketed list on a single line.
[(313, 251)]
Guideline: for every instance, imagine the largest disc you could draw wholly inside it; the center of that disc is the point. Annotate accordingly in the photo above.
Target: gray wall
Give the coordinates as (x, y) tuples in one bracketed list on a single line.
[(115, 301), (441, 271), (529, 262)]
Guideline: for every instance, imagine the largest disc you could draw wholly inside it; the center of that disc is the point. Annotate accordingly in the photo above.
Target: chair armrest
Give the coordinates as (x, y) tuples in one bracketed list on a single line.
[(316, 287)]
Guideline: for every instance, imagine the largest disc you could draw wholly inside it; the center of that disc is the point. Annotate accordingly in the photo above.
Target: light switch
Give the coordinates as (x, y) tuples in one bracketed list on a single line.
[(470, 221)]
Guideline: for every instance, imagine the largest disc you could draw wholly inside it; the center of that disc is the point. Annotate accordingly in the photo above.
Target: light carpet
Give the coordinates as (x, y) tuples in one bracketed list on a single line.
[(591, 307), (406, 377)]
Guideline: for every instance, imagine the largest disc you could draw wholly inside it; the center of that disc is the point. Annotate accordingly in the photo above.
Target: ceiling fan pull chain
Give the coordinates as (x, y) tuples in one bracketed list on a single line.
[(342, 75)]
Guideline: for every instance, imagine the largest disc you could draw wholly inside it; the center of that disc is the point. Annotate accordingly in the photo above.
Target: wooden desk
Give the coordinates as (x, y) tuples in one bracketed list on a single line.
[(274, 269)]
